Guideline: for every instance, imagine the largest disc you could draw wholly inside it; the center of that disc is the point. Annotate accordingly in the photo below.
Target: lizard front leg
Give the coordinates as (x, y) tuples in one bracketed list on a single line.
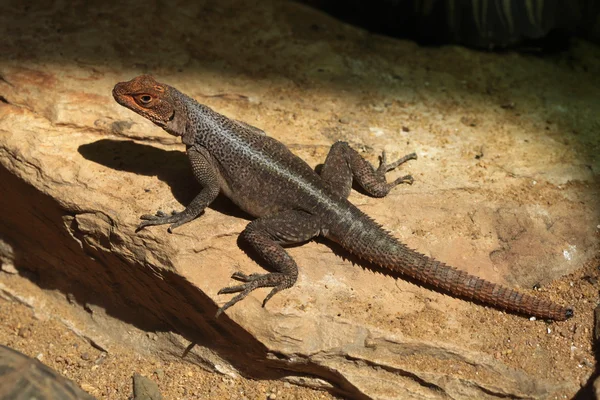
[(206, 174), (266, 235), (344, 163)]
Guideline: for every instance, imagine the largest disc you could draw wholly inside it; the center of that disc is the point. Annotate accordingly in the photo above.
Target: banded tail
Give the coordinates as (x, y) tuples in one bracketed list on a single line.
[(371, 242)]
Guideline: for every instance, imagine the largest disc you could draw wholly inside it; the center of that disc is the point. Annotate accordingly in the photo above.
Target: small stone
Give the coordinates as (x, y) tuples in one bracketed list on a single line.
[(24, 333), (9, 268), (597, 387), (160, 373), (344, 120), (592, 280), (145, 389), (85, 356), (71, 298), (405, 129), (100, 359), (88, 388)]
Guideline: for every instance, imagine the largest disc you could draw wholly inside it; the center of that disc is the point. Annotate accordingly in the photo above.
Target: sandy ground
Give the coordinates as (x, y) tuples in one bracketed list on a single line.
[(28, 327), (44, 325)]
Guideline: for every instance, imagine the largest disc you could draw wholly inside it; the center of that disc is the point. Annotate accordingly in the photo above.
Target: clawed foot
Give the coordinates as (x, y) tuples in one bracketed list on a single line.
[(160, 218), (277, 281), (384, 167)]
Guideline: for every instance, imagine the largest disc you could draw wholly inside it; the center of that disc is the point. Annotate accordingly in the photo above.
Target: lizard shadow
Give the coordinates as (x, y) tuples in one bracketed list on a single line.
[(170, 166)]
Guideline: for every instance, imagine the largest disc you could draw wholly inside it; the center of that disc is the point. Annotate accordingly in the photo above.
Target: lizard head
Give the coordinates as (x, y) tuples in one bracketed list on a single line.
[(147, 97)]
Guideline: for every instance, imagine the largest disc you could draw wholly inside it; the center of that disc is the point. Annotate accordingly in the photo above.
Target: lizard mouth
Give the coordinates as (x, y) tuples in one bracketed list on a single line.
[(118, 94)]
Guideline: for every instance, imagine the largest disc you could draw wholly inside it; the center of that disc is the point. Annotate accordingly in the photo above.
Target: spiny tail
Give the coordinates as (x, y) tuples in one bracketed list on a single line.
[(369, 241)]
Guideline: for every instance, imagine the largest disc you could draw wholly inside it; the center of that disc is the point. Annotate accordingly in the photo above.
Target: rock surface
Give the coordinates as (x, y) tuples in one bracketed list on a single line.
[(506, 187), (24, 378), (145, 389)]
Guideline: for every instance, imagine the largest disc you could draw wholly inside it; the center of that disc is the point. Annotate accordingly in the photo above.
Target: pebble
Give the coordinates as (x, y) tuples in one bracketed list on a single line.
[(71, 298), (100, 359), (9, 268), (24, 332), (88, 388), (146, 389)]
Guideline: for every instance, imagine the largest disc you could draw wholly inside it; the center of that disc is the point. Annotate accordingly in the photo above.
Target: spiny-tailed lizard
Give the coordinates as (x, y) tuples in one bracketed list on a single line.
[(293, 204)]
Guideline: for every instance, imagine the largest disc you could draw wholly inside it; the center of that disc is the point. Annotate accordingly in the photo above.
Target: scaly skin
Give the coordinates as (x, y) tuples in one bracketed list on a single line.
[(292, 203)]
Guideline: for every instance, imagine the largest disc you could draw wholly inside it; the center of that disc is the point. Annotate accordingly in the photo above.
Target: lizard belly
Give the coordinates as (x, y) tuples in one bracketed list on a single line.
[(254, 206)]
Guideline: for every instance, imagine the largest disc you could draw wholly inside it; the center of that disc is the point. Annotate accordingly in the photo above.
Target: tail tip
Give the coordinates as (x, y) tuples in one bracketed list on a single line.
[(569, 313)]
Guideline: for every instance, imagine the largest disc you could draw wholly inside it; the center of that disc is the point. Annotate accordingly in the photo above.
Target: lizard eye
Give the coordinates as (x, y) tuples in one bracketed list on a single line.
[(144, 99)]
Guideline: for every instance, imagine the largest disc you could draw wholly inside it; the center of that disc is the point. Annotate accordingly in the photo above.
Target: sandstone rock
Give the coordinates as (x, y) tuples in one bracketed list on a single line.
[(77, 170), (145, 389)]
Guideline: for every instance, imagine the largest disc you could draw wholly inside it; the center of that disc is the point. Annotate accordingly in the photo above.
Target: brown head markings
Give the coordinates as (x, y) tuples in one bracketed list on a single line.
[(147, 97)]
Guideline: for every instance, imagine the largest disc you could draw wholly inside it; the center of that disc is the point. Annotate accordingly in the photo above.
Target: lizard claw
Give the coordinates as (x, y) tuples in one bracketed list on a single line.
[(404, 179), (238, 276), (384, 167), (161, 218), (277, 281)]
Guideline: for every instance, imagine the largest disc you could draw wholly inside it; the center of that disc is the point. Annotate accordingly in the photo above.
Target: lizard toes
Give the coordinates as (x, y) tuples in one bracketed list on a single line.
[(405, 179), (238, 276), (142, 225), (178, 222), (236, 289)]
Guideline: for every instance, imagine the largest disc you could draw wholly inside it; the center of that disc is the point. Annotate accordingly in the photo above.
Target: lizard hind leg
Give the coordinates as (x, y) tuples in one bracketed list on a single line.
[(343, 164), (266, 235)]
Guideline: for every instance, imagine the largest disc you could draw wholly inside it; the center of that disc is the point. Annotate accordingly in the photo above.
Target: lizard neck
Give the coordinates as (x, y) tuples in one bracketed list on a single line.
[(190, 119)]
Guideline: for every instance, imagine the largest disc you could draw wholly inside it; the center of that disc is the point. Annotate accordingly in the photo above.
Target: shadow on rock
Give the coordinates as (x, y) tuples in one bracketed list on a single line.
[(51, 250), (170, 166)]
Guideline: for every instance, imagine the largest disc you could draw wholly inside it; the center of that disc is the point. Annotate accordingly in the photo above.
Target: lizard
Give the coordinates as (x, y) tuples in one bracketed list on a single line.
[(293, 204)]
